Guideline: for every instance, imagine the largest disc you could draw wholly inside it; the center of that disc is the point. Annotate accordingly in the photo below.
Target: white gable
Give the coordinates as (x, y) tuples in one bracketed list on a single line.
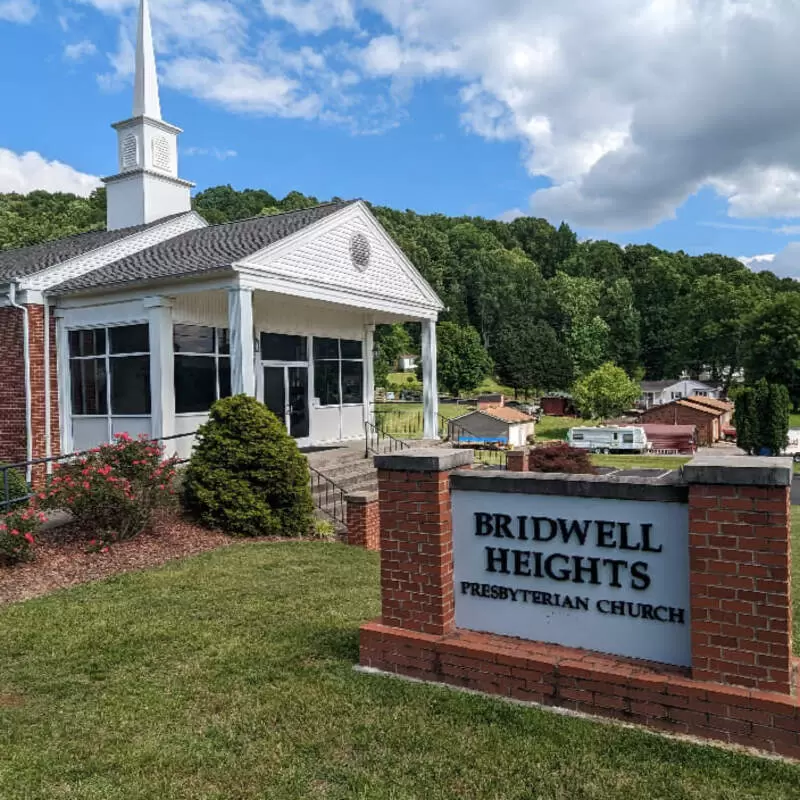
[(332, 255)]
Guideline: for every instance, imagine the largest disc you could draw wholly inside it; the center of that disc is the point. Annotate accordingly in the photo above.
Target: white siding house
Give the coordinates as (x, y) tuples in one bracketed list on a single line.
[(656, 393)]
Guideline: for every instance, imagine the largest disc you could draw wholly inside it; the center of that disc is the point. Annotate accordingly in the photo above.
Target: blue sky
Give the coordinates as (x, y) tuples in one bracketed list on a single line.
[(635, 120)]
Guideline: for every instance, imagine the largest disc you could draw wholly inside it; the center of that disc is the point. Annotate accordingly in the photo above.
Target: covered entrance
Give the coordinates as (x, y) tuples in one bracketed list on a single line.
[(284, 384)]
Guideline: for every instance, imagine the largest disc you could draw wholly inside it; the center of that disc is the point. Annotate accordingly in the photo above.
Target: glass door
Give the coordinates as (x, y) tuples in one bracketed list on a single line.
[(297, 383), (286, 396), (275, 391)]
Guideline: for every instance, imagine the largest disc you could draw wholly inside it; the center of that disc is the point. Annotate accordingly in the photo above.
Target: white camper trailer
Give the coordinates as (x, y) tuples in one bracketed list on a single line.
[(793, 448), (609, 439)]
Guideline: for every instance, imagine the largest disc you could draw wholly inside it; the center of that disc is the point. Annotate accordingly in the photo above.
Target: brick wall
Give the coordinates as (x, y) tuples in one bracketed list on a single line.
[(363, 521), (740, 550), (604, 686), (416, 538), (12, 386), (680, 415)]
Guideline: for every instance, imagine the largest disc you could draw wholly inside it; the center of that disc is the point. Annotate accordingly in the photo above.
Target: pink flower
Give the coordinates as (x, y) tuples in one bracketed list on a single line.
[(15, 532), (41, 516), (86, 484), (29, 538)]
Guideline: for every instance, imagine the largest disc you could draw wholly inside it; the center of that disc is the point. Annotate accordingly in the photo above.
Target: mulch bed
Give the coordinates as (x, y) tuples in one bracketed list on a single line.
[(61, 559)]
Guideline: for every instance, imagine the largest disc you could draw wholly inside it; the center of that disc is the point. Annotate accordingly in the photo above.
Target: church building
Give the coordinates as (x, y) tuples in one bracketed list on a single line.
[(141, 327)]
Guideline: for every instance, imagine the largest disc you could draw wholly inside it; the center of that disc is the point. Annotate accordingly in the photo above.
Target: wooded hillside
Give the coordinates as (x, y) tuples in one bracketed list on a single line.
[(547, 308)]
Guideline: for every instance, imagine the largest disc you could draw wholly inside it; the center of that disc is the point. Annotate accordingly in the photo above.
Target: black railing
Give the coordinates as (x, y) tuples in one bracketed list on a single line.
[(486, 453), (328, 496), (376, 440), (9, 497)]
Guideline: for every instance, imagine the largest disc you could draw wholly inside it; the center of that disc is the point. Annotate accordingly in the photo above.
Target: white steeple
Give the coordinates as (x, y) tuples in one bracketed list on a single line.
[(146, 187), (145, 87)]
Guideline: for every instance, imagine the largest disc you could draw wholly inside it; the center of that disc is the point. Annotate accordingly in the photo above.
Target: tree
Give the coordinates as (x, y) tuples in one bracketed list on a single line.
[(391, 341), (528, 356), (462, 361), (761, 417), (773, 344), (619, 312), (606, 392)]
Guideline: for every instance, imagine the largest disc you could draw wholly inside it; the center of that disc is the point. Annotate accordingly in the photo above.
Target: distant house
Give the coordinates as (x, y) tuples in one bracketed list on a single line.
[(656, 393), (556, 405), (708, 418), (496, 426), (407, 363)]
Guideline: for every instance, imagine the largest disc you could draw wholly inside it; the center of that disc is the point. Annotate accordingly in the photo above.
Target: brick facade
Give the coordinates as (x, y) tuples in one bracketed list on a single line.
[(363, 521), (417, 541), (707, 424), (12, 388), (740, 687), (740, 548)]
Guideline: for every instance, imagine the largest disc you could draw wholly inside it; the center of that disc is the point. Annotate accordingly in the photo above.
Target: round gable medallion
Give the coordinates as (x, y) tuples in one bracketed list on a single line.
[(360, 251)]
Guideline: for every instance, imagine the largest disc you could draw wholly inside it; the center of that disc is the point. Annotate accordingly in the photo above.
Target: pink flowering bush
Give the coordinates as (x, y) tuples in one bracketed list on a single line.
[(17, 530), (114, 491)]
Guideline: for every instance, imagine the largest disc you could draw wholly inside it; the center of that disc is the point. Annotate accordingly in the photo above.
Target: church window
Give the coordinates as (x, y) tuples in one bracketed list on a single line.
[(202, 367), (110, 371), (338, 372)]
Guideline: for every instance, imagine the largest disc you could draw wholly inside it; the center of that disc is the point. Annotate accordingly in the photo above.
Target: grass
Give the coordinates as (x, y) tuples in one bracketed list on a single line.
[(638, 462), (230, 675), (794, 420)]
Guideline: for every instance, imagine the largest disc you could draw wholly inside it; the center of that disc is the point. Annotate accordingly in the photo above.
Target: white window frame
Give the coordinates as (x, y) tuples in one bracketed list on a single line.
[(216, 355), (109, 416), (340, 360)]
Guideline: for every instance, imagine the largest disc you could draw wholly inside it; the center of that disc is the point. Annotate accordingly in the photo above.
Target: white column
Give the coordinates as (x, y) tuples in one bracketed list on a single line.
[(64, 384), (430, 389), (240, 322), (162, 369), (369, 372)]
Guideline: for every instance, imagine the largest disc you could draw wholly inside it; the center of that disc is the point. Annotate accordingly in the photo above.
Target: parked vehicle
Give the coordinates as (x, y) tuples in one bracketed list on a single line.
[(531, 409), (610, 439), (793, 448)]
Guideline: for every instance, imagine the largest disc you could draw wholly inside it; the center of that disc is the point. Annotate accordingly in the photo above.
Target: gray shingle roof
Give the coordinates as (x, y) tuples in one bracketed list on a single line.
[(657, 386), (23, 261), (203, 250)]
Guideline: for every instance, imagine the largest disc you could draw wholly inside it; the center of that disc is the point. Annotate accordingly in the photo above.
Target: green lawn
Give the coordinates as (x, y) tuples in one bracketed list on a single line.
[(636, 462), (229, 676), (794, 420)]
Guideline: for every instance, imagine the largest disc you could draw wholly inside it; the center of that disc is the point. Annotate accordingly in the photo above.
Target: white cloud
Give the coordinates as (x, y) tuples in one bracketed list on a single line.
[(240, 87), (17, 10), (764, 258), (79, 50), (785, 264), (627, 107), (312, 16), (213, 152), (25, 172), (510, 215)]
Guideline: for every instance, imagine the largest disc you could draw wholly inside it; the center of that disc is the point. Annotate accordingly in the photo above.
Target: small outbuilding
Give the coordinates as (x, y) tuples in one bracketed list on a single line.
[(556, 405), (500, 426), (707, 420)]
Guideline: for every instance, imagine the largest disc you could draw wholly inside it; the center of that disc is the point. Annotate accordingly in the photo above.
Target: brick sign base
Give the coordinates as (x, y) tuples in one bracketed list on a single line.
[(732, 701)]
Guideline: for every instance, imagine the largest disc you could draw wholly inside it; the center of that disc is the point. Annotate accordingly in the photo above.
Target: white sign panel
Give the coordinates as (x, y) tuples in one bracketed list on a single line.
[(600, 574)]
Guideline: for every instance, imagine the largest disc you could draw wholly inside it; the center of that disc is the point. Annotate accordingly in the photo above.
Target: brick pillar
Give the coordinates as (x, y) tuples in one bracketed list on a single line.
[(363, 520), (417, 538), (517, 460), (740, 562)]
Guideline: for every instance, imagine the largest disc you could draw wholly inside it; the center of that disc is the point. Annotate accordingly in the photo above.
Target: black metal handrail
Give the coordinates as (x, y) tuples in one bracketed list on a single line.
[(373, 436), (334, 503), (22, 466)]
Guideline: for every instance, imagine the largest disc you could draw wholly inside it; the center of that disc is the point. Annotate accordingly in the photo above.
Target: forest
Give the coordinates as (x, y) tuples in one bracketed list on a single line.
[(542, 308)]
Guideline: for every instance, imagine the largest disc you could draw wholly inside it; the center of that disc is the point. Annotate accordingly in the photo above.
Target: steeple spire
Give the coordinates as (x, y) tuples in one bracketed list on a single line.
[(145, 89)]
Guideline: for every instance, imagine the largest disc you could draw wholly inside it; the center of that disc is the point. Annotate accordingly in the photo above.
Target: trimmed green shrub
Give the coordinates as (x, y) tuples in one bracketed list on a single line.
[(246, 475), (761, 418), (17, 486)]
